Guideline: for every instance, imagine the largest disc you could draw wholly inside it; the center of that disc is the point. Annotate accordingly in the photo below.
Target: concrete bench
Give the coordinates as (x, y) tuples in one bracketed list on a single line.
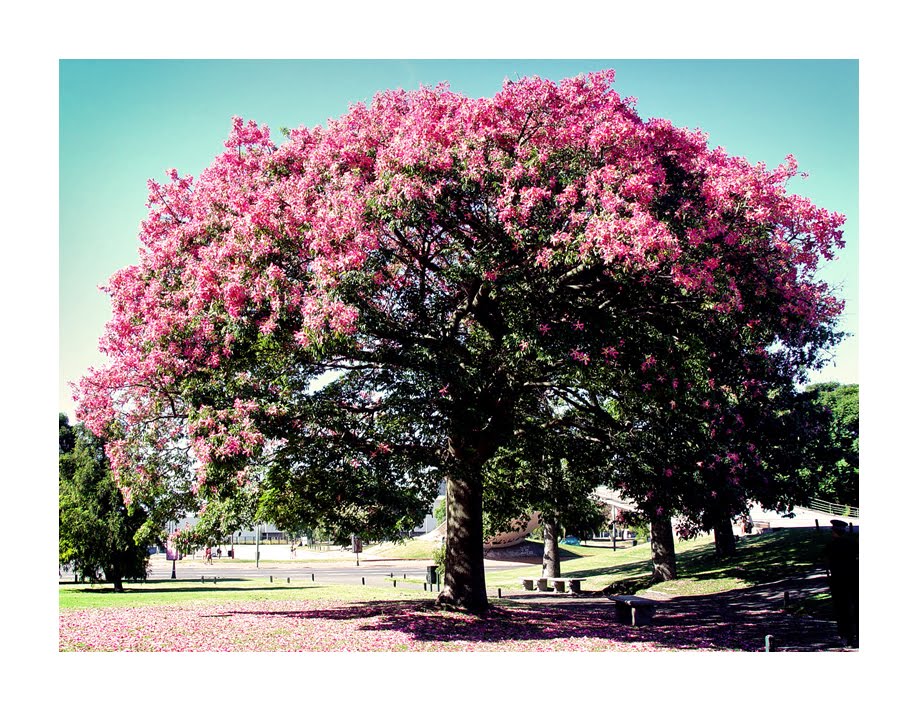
[(534, 583), (558, 584), (633, 610)]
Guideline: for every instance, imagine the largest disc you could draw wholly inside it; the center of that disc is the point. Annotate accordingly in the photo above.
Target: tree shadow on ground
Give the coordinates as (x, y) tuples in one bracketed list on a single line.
[(782, 554), (785, 553), (703, 622)]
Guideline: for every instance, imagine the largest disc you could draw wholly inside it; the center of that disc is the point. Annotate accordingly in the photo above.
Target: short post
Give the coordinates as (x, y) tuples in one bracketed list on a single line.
[(215, 580), (202, 578), (817, 524), (271, 578), (288, 581), (786, 599), (498, 593), (769, 643), (313, 577), (363, 581), (425, 586), (394, 582)]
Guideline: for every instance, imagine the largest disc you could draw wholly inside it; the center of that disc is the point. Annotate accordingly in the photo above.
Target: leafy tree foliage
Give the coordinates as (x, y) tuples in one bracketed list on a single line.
[(551, 466), (98, 533), (346, 319), (838, 478)]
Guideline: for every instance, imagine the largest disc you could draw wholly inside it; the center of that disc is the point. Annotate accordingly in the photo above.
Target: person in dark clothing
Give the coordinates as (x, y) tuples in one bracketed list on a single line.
[(842, 563)]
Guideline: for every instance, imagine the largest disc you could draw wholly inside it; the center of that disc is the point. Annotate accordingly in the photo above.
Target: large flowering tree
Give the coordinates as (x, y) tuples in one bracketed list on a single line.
[(355, 314)]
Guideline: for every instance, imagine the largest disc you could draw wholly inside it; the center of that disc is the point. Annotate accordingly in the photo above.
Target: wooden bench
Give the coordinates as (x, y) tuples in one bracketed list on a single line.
[(633, 610), (558, 584)]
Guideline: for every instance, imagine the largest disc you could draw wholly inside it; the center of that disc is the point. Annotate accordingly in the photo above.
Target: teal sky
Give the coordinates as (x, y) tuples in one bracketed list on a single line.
[(123, 122)]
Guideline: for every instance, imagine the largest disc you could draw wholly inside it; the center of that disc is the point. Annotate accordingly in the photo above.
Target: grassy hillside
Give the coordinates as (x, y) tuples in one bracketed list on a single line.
[(759, 559)]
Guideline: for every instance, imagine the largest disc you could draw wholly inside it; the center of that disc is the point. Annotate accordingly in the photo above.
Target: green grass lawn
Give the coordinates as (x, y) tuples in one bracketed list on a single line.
[(410, 549), (759, 559), (162, 592)]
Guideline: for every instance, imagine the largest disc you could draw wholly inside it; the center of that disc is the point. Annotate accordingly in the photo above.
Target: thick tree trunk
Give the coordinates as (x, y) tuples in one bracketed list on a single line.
[(724, 541), (464, 579), (662, 549), (551, 563)]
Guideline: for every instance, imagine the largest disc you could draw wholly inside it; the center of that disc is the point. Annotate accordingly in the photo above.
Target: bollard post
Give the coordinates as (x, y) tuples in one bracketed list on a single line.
[(271, 578), (288, 581), (425, 586), (215, 580), (313, 577), (202, 578), (498, 593), (786, 599), (769, 643), (363, 581), (817, 524), (394, 582)]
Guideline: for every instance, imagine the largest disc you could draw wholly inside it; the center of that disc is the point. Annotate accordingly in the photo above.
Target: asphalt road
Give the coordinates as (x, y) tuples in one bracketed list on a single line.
[(194, 569), (372, 571)]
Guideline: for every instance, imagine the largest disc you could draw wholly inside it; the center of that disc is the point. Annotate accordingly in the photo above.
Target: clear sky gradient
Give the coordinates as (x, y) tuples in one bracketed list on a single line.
[(123, 122)]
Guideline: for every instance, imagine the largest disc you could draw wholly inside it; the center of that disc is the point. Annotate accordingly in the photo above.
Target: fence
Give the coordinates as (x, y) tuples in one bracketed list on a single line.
[(833, 509)]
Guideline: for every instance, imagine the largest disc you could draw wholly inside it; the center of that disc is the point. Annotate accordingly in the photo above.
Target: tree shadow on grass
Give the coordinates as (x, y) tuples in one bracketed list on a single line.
[(782, 554), (785, 553)]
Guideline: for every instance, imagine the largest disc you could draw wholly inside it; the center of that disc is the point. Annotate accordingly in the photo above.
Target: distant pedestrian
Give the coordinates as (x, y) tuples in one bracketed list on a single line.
[(293, 550), (842, 562), (219, 553), (208, 556)]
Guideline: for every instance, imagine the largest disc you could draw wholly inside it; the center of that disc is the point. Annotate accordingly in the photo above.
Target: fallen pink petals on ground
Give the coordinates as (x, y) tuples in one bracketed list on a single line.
[(331, 626)]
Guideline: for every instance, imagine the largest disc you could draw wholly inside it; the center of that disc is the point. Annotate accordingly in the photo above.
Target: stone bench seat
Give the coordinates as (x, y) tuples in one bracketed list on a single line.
[(633, 610), (558, 584)]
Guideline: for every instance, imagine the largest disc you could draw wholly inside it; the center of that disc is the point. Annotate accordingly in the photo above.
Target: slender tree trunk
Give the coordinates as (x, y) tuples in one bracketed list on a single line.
[(724, 541), (551, 563), (662, 549), (115, 579), (464, 579)]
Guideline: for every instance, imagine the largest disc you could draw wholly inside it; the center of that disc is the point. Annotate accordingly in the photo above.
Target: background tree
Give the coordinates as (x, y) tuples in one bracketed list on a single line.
[(369, 308), (838, 480), (99, 534), (551, 467)]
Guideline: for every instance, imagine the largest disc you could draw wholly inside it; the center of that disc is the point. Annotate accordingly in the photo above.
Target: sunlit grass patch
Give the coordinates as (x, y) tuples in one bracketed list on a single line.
[(191, 593)]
